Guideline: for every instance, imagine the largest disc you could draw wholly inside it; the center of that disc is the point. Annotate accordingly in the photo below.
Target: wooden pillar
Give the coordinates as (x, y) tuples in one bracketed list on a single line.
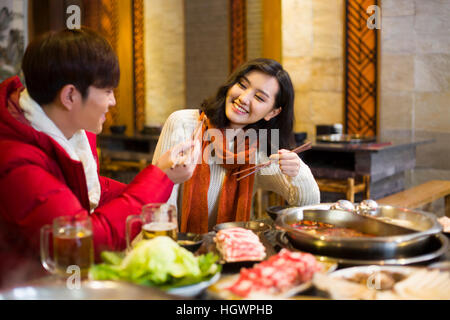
[(272, 38), (238, 33), (139, 64), (114, 20), (124, 113), (44, 16), (102, 17)]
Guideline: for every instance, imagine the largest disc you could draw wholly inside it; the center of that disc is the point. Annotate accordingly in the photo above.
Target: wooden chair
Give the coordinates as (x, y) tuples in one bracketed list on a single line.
[(264, 199), (421, 195), (349, 187)]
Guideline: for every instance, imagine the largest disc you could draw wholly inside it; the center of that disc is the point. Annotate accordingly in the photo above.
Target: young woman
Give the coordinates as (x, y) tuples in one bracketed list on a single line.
[(259, 95)]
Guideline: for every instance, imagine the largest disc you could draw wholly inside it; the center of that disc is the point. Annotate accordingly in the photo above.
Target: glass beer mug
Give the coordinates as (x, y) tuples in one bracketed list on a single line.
[(158, 219), (72, 245)]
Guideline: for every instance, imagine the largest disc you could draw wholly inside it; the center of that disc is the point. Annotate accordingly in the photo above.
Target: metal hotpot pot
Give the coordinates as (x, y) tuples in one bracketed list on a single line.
[(398, 233)]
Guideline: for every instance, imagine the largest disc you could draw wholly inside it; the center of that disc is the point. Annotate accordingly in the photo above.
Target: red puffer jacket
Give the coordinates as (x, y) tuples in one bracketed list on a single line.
[(39, 181)]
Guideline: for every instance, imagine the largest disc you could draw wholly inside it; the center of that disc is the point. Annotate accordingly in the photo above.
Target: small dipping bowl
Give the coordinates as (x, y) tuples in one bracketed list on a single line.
[(189, 241), (275, 211), (118, 129)]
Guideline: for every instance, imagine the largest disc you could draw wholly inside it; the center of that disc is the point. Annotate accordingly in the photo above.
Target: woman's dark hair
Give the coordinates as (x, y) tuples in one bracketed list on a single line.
[(214, 107), (80, 57)]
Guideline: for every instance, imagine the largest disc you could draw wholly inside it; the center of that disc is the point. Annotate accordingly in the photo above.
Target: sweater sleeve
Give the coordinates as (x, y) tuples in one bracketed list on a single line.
[(300, 190), (178, 128)]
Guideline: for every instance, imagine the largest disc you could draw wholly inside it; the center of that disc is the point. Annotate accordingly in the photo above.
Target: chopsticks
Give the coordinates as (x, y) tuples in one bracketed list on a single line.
[(260, 166), (197, 130)]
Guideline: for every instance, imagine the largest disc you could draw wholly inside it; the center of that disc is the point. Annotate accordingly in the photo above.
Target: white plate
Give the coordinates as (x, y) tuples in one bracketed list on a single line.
[(194, 289), (350, 272), (418, 283)]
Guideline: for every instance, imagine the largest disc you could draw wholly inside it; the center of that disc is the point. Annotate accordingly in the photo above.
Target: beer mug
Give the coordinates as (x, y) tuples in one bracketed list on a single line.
[(157, 219), (72, 245)]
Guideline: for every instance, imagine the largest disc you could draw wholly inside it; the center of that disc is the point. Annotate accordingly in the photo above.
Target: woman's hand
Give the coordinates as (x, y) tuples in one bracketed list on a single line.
[(288, 161)]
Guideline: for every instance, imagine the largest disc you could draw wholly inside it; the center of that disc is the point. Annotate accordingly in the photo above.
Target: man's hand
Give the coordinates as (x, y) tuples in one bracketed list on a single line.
[(179, 162)]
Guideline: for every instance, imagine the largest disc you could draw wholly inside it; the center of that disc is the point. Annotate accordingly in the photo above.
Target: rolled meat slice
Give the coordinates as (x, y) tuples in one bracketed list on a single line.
[(239, 244)]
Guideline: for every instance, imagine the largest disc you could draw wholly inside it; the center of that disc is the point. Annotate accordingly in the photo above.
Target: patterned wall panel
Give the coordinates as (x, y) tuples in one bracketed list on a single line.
[(139, 64), (360, 69), (238, 33)]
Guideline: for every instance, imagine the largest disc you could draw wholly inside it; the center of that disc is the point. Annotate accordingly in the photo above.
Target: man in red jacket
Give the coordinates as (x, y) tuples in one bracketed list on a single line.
[(48, 159)]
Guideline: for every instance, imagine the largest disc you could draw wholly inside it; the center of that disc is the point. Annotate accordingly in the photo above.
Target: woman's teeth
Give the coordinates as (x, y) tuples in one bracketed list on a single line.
[(240, 109)]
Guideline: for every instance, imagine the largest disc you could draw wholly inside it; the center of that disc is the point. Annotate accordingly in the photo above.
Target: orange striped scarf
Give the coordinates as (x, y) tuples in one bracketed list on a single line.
[(235, 199)]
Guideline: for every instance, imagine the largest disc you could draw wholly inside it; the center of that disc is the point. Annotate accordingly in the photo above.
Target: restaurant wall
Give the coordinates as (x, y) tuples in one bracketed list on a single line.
[(207, 48), (313, 54), (415, 84), (164, 59), (254, 17), (415, 80), (198, 36)]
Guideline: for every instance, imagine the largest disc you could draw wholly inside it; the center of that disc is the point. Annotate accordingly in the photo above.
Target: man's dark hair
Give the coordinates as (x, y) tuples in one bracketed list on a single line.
[(80, 57), (214, 107)]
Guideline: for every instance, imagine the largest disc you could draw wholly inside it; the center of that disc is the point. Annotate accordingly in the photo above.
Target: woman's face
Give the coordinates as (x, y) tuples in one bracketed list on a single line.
[(251, 99)]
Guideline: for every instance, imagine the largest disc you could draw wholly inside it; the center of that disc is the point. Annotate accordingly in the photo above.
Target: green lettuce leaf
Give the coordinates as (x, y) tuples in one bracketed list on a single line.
[(157, 262), (114, 258)]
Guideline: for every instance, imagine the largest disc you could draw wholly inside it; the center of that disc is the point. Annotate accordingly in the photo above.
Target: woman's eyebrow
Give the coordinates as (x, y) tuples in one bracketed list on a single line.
[(259, 90)]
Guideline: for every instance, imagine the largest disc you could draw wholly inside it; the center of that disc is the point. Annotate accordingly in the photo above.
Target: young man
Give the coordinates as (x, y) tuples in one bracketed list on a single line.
[(48, 159)]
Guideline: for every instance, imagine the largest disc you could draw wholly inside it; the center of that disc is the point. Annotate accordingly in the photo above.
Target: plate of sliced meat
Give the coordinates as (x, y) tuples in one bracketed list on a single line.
[(281, 276), (239, 247)]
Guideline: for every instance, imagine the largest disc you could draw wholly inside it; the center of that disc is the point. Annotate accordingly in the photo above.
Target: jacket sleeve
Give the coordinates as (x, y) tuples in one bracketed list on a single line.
[(32, 197), (111, 189), (151, 185)]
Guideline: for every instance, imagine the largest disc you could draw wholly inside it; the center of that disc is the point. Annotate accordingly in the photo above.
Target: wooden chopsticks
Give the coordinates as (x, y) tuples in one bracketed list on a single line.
[(197, 130), (258, 167)]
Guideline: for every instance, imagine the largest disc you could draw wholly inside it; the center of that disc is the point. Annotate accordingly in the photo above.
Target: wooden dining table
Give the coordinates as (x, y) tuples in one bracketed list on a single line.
[(55, 287)]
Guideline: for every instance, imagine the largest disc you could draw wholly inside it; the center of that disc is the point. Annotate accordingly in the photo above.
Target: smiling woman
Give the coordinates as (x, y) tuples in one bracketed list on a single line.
[(251, 99), (256, 100), (264, 85)]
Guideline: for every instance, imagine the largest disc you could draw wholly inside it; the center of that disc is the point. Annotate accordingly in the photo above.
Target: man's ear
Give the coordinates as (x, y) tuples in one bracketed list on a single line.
[(272, 114), (69, 96)]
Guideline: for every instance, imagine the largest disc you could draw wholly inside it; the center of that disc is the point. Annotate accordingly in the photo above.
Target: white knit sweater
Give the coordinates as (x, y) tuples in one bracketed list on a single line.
[(300, 190)]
